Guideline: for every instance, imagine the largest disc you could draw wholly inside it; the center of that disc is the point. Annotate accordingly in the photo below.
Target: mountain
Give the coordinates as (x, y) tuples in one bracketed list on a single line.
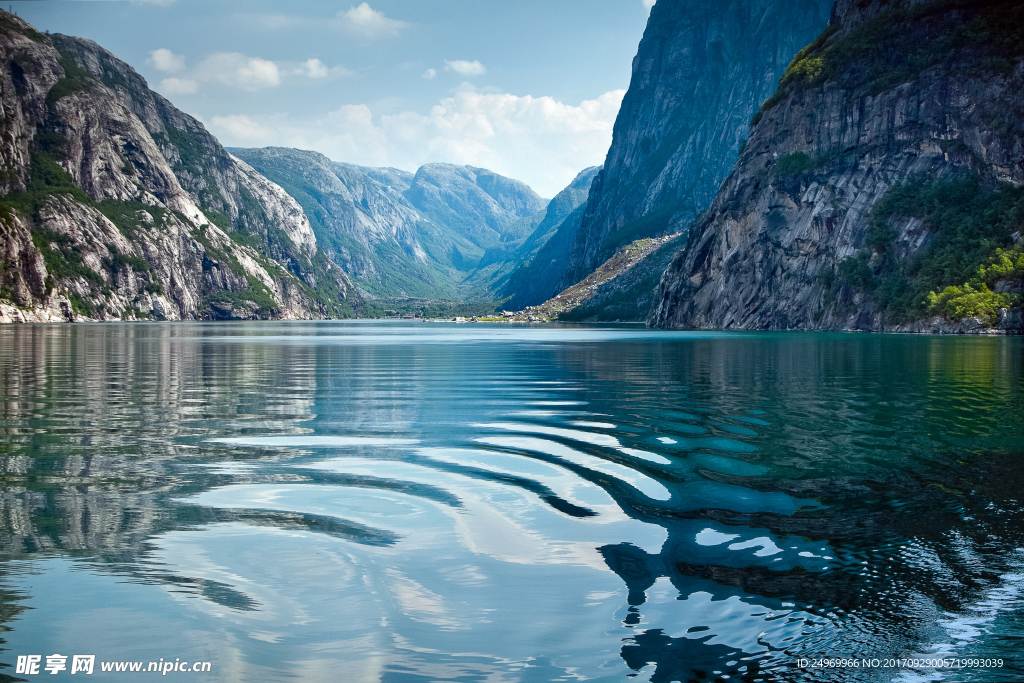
[(543, 254), (401, 234), (629, 295), (612, 292), (881, 187), (701, 71), (115, 205)]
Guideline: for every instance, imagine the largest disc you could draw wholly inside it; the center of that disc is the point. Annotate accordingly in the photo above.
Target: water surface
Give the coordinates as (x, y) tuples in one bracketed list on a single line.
[(397, 501)]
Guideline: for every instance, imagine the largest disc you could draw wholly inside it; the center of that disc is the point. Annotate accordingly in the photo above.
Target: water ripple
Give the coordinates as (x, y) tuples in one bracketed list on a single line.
[(502, 504)]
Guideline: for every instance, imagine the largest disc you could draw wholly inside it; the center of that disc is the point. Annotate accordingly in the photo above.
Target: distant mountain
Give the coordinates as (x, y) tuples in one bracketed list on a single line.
[(542, 257), (400, 234), (701, 71), (115, 205)]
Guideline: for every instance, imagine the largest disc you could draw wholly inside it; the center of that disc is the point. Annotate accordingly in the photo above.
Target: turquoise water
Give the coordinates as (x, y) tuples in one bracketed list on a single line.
[(399, 501)]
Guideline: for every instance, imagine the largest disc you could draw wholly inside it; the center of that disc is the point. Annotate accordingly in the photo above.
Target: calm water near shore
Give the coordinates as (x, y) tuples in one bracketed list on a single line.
[(396, 501)]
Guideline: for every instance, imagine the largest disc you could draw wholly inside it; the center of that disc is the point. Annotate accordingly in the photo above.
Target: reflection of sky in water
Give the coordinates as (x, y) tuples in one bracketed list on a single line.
[(290, 501)]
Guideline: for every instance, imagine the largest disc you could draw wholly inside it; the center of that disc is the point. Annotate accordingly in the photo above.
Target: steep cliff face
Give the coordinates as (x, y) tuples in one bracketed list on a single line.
[(402, 234), (888, 164), (700, 72), (118, 206)]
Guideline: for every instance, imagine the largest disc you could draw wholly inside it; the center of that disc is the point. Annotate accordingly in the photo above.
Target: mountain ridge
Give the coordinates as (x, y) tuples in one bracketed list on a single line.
[(118, 206), (443, 232)]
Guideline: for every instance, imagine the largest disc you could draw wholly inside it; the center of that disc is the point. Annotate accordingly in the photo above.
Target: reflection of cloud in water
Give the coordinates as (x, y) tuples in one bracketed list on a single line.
[(712, 537), (766, 545), (420, 603)]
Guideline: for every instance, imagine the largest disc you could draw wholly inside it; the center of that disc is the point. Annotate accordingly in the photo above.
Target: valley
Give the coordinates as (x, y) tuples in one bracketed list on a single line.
[(814, 191)]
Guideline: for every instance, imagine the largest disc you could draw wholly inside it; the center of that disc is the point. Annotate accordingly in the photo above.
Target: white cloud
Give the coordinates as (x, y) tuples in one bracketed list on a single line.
[(648, 4), (238, 71), (243, 128), (165, 60), (465, 67), (368, 21), (430, 73), (313, 68), (538, 140), (178, 86)]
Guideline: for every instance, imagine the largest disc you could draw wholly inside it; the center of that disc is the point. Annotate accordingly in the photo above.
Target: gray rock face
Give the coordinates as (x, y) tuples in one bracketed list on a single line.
[(23, 88), (119, 206), (759, 258), (700, 73), (402, 234)]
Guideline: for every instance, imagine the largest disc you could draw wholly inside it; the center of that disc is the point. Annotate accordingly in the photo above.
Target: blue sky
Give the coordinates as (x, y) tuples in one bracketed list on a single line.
[(526, 88)]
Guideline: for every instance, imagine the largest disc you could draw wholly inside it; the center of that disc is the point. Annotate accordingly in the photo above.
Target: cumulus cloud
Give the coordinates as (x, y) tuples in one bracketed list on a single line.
[(648, 4), (430, 73), (465, 67), (538, 140), (178, 86), (241, 127), (165, 60), (238, 71), (368, 21), (313, 68)]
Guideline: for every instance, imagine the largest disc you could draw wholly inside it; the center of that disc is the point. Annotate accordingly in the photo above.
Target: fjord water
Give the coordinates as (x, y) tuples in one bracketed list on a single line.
[(396, 501)]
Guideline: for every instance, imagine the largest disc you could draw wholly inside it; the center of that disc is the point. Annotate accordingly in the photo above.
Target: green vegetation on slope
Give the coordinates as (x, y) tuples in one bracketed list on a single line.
[(969, 223), (896, 46), (193, 156), (654, 223), (76, 79), (620, 289), (46, 179), (255, 294), (976, 299), (126, 215), (63, 258)]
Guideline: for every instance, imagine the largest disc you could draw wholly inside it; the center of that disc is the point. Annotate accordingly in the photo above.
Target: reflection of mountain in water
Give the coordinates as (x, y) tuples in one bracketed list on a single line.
[(98, 420), (817, 495)]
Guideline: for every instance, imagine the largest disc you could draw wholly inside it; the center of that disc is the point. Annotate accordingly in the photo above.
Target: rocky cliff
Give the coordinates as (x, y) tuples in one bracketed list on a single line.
[(887, 168), (118, 206), (402, 234), (700, 72)]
